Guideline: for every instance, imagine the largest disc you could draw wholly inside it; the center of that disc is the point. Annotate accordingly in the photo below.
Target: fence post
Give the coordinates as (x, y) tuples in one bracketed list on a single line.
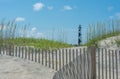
[(93, 61)]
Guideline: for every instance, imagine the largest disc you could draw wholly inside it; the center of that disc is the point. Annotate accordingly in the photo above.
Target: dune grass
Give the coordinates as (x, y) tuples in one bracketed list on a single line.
[(7, 31), (102, 30), (9, 35), (40, 43)]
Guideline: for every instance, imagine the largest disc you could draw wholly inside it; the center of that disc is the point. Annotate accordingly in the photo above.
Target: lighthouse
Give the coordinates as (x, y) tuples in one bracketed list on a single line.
[(79, 35)]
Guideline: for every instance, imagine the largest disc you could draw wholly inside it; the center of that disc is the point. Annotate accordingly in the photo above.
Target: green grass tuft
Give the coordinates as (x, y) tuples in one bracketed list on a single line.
[(100, 31), (40, 43)]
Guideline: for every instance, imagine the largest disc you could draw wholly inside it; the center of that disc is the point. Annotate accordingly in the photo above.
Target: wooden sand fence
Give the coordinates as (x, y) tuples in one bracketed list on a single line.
[(72, 63)]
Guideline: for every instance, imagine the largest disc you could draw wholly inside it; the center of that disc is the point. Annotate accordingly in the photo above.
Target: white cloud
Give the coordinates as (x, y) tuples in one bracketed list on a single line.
[(38, 6), (33, 29), (118, 15), (111, 17), (34, 33), (18, 19), (50, 7), (67, 7), (110, 8)]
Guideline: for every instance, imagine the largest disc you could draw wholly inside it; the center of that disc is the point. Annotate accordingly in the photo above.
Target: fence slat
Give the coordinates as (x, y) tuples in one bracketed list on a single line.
[(32, 53), (56, 60), (88, 66), (102, 65), (106, 63), (19, 51), (84, 61), (0, 49), (113, 63), (80, 61), (28, 53), (38, 55), (6, 50), (63, 57), (3, 50), (98, 63), (69, 55), (42, 57), (49, 58), (77, 63), (35, 51), (59, 59), (116, 64), (16, 51), (22, 51), (119, 60), (46, 58), (109, 65), (73, 54), (52, 59), (66, 57)]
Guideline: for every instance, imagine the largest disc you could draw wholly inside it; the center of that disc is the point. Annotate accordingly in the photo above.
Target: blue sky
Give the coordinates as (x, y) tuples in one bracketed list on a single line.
[(58, 19)]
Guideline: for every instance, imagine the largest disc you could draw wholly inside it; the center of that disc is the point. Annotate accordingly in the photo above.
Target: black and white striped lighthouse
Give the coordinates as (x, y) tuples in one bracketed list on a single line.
[(79, 35)]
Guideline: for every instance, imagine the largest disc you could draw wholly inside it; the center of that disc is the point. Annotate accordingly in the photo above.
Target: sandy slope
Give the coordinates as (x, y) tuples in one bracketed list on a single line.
[(109, 42), (16, 68)]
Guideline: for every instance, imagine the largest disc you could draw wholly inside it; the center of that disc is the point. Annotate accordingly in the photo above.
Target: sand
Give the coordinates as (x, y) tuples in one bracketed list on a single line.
[(16, 68), (109, 42)]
